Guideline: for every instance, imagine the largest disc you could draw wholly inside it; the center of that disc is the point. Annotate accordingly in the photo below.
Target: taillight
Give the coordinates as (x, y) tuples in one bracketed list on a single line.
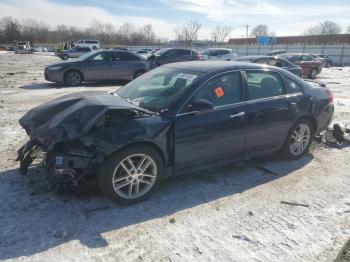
[(330, 96)]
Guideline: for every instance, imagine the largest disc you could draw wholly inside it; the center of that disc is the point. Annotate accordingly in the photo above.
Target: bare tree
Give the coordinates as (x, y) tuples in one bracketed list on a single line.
[(324, 28), (39, 32), (220, 33), (188, 32), (260, 30), (10, 28)]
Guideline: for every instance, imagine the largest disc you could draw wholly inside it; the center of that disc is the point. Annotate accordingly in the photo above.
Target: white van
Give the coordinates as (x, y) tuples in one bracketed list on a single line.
[(93, 44)]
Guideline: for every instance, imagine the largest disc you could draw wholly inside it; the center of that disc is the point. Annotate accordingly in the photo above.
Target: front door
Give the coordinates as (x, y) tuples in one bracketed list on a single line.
[(217, 134), (99, 67)]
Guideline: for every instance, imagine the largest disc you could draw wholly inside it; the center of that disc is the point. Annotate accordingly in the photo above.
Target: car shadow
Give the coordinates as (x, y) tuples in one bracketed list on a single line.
[(48, 85), (34, 219)]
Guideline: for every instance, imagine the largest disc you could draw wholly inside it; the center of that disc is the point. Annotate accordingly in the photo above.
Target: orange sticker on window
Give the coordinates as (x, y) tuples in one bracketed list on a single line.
[(219, 92)]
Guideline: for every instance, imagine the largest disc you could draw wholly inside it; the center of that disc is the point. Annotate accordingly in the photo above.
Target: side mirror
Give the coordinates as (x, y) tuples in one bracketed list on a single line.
[(200, 105)]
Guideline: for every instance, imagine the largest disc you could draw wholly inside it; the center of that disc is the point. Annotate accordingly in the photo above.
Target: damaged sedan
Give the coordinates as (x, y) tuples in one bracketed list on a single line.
[(175, 119)]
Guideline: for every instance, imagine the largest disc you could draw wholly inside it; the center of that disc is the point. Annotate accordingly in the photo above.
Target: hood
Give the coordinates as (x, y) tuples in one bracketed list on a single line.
[(72, 116), (64, 63)]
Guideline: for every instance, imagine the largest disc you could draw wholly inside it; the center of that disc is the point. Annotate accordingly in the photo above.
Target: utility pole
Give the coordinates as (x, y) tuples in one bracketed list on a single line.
[(246, 38), (247, 28)]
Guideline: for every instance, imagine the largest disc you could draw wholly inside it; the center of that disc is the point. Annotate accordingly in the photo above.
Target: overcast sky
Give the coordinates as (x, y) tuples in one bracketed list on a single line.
[(285, 17)]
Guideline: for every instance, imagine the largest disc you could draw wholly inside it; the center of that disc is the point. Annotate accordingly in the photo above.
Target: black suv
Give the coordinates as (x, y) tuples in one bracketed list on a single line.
[(173, 55)]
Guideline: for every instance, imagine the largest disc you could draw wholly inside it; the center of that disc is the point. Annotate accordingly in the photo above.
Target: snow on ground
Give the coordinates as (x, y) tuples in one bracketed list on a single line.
[(228, 214)]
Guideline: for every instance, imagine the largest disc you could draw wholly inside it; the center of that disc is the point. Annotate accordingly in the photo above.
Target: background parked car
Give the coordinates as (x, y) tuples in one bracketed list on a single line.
[(173, 55), (99, 66), (93, 44), (311, 68), (74, 52), (273, 61), (143, 52), (275, 52), (222, 54), (328, 60), (317, 58)]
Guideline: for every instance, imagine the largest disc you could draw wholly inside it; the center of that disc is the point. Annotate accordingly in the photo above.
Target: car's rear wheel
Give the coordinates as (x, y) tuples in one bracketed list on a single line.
[(299, 139), (328, 65), (65, 57), (313, 73), (73, 78), (131, 175)]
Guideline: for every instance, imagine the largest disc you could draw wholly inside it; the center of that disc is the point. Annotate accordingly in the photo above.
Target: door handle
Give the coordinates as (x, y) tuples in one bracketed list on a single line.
[(293, 104), (240, 114)]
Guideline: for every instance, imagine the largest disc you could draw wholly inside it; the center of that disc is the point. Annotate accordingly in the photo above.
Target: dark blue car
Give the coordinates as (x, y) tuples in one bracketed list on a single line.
[(174, 119)]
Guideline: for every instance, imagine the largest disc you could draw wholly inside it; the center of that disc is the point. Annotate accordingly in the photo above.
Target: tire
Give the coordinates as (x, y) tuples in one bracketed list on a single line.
[(117, 168), (73, 78), (65, 57), (289, 148), (328, 65), (94, 48), (313, 73), (138, 73)]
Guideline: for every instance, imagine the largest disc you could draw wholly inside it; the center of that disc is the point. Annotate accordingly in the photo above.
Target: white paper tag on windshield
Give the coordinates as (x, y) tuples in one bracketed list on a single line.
[(187, 76)]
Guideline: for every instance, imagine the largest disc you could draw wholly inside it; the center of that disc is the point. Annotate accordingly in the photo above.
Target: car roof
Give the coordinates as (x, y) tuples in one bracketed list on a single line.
[(255, 56), (214, 48), (212, 66)]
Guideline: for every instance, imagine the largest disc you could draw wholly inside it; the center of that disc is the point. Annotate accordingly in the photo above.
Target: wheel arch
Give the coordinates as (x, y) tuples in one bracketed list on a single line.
[(143, 143), (312, 119)]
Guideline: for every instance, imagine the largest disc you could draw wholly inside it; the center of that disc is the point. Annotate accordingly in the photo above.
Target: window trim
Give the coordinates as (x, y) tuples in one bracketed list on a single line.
[(217, 107), (290, 79), (265, 70)]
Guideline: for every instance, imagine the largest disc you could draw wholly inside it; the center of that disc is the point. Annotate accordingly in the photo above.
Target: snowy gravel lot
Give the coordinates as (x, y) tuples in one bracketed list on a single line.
[(228, 214)]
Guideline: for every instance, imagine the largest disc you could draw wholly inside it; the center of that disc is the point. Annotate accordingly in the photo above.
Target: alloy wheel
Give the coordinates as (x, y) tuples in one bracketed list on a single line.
[(300, 139), (73, 78), (134, 176)]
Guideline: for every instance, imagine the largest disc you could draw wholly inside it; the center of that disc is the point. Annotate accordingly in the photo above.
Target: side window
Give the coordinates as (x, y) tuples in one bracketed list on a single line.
[(262, 84), (307, 58), (104, 56), (183, 52), (170, 53), (272, 62), (292, 87), (221, 90), (262, 61), (125, 56)]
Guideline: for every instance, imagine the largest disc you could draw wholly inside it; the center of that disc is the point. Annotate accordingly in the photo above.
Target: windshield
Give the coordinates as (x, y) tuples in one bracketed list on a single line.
[(209, 52), (159, 88)]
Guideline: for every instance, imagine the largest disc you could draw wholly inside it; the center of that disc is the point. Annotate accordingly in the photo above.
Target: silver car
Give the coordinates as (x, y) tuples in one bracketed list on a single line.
[(74, 52), (103, 65), (222, 54)]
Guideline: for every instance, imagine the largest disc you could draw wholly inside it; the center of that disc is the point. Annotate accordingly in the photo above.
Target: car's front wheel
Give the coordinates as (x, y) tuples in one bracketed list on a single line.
[(299, 139), (131, 175), (65, 57), (73, 78)]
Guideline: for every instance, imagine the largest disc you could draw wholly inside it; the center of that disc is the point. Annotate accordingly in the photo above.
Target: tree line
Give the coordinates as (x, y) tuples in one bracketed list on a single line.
[(129, 34), (39, 32)]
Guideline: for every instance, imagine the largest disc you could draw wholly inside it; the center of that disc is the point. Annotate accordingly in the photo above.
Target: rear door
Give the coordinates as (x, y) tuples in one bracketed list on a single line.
[(213, 135), (99, 67), (183, 55), (270, 110), (125, 65)]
